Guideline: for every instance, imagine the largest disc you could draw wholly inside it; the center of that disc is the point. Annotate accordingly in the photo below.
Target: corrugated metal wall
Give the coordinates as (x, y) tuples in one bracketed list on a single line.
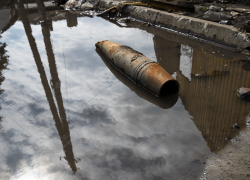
[(212, 100)]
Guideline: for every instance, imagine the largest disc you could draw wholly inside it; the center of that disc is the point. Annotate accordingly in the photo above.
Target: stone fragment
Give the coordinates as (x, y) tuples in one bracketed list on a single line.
[(236, 126), (226, 22), (246, 25), (216, 16), (244, 93), (234, 14)]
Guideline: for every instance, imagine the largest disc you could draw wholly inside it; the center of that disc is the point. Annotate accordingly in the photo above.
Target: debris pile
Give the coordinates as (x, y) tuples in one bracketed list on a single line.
[(81, 4), (229, 25), (226, 14)]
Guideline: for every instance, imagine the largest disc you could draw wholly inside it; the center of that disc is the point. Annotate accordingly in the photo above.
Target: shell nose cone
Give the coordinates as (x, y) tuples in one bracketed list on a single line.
[(99, 44)]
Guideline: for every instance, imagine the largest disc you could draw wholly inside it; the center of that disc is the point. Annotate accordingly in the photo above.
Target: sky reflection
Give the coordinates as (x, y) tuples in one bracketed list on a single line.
[(113, 132)]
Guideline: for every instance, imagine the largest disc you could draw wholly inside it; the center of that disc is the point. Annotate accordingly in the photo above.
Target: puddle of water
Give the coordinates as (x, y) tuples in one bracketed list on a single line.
[(66, 113)]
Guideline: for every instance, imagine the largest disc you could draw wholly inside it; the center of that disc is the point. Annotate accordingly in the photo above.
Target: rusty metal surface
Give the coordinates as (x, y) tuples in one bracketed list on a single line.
[(165, 102), (139, 68)]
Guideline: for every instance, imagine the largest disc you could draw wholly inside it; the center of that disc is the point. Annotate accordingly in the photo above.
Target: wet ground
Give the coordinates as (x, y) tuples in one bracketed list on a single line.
[(67, 113)]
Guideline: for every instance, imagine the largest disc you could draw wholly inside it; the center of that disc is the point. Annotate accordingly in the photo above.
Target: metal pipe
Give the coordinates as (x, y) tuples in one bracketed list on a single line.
[(139, 68)]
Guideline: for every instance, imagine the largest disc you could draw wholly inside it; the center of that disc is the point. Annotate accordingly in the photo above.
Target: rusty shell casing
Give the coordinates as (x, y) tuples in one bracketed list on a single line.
[(139, 68), (164, 102)]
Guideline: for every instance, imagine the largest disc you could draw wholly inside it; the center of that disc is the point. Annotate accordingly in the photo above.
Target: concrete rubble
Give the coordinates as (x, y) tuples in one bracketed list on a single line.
[(216, 16), (203, 23), (81, 4), (209, 30)]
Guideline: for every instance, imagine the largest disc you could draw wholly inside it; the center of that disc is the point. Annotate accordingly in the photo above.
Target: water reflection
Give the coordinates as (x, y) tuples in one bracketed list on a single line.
[(60, 122), (209, 99), (212, 100), (115, 133), (8, 15), (167, 54), (186, 41), (4, 61), (71, 19)]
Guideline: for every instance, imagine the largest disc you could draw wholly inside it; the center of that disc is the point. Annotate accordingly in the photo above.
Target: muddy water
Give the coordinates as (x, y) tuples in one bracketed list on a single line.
[(67, 113)]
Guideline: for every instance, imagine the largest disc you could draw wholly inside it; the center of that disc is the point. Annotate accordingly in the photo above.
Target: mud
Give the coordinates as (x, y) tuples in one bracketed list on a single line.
[(233, 162)]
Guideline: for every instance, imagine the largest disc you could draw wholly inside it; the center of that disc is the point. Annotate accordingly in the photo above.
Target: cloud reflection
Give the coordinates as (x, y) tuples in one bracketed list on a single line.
[(115, 133)]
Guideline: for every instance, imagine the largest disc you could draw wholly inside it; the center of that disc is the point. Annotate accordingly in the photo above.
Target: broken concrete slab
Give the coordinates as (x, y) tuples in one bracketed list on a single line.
[(33, 6), (108, 4), (209, 30)]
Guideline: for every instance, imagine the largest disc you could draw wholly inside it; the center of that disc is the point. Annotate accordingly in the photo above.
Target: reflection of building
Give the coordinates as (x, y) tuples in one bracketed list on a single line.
[(71, 19), (60, 119), (33, 10), (8, 15), (212, 100), (167, 54)]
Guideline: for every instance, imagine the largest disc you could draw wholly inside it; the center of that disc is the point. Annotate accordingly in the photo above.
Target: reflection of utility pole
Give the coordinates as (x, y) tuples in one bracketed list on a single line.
[(56, 83), (61, 125)]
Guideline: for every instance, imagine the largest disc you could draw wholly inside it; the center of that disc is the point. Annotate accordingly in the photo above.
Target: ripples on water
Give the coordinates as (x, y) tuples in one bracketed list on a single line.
[(66, 113)]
